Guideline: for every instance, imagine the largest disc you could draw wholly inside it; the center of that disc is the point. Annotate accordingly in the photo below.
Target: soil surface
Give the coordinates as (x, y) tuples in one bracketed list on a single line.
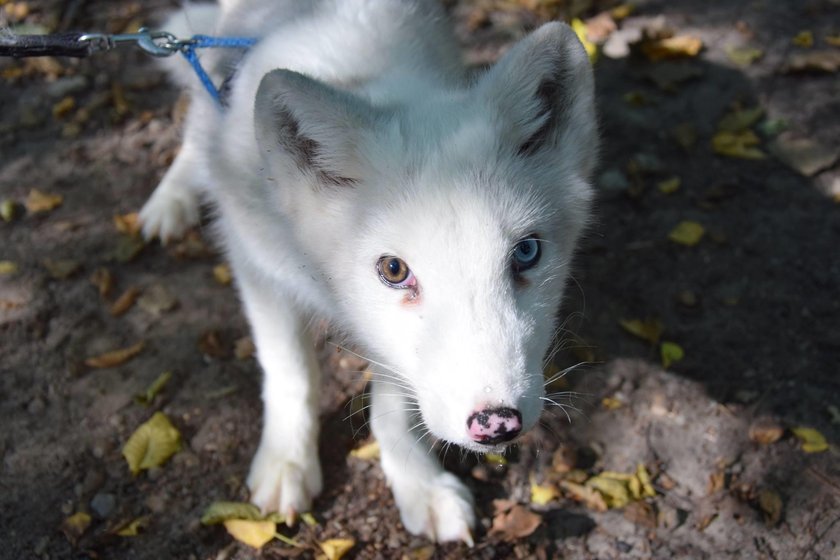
[(753, 305)]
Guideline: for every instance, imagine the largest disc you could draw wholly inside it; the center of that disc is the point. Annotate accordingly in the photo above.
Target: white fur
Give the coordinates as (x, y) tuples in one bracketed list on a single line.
[(370, 142)]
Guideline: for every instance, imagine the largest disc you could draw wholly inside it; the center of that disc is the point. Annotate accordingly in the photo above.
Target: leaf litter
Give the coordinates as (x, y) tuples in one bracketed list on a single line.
[(152, 444)]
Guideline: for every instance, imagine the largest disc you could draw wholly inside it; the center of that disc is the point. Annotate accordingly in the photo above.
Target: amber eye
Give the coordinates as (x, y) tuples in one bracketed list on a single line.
[(394, 272)]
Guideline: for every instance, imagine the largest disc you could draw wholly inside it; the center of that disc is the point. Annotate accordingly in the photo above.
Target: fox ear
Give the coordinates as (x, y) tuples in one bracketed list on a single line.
[(312, 124), (543, 92)]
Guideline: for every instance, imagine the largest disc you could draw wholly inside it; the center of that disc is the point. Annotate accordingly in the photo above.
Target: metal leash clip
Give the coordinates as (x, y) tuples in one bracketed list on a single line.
[(156, 43)]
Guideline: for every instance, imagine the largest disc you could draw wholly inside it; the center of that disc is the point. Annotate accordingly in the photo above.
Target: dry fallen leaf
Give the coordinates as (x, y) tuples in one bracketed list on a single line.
[(152, 444), (7, 268), (766, 431), (156, 387), (244, 348), (833, 40), (218, 512), (643, 476), (63, 107), (744, 56), (516, 523), (678, 46), (740, 120), (771, 505), (255, 534), (8, 210), (38, 202), (542, 494), (805, 155), (133, 527), (669, 186), (367, 452), (128, 224), (309, 519), (222, 274), (812, 440), (611, 403), (615, 490), (588, 496), (804, 38), (210, 344), (581, 31), (127, 248), (648, 329), (75, 526), (61, 269), (670, 352), (814, 61), (687, 233), (156, 300), (741, 145), (495, 459), (115, 357), (334, 549), (125, 301), (103, 280)]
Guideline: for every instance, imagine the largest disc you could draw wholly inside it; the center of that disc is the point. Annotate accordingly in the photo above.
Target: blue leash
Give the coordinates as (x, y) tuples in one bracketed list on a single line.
[(204, 41)]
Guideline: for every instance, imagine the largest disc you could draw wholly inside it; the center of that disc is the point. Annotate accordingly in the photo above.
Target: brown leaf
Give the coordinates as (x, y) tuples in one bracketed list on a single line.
[(517, 523), (103, 281), (125, 301), (127, 248), (766, 431), (641, 513), (115, 357), (589, 497), (38, 202), (678, 46), (63, 107), (128, 224), (771, 505), (75, 526), (210, 344), (815, 61), (222, 274)]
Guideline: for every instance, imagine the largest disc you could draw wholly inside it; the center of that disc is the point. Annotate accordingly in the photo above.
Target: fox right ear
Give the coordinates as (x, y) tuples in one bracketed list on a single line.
[(543, 93), (318, 127)]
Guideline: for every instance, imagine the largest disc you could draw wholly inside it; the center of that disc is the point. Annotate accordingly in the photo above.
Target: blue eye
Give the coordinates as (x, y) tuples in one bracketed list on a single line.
[(526, 254)]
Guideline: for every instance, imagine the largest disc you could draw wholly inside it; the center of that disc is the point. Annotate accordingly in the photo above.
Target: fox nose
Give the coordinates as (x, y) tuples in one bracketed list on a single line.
[(494, 425)]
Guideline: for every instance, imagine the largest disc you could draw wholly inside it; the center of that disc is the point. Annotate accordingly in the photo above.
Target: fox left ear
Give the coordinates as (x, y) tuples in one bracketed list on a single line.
[(543, 93), (317, 127)]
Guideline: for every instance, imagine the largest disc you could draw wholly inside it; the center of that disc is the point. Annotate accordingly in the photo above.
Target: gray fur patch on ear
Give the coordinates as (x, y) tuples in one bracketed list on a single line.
[(304, 150)]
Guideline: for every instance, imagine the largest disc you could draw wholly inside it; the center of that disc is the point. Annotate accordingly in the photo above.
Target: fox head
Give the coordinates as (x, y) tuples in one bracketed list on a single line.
[(443, 228)]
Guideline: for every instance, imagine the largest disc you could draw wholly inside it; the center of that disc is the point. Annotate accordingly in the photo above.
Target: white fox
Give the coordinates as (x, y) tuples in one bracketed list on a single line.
[(358, 175)]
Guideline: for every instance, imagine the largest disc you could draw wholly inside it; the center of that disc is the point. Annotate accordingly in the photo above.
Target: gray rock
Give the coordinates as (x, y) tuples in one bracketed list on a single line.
[(103, 504)]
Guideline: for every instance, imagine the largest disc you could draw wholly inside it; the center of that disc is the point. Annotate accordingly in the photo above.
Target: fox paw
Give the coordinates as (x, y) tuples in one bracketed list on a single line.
[(440, 509), (168, 214), (280, 484)]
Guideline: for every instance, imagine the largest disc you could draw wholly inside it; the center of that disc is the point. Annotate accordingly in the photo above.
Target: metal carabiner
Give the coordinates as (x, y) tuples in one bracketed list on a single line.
[(156, 43)]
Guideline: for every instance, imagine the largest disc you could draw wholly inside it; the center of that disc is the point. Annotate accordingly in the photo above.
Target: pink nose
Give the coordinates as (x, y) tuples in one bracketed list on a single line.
[(494, 425)]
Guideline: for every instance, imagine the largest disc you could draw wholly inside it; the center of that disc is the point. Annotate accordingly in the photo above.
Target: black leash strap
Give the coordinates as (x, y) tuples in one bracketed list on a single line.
[(56, 44)]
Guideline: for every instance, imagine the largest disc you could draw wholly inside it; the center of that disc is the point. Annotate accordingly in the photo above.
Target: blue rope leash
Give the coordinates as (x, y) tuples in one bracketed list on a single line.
[(204, 41)]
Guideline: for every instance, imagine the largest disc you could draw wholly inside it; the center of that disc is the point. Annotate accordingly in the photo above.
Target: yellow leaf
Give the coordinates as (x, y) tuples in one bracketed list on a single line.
[(7, 268), (669, 186), (649, 329), (115, 357), (737, 145), (309, 519), (678, 46), (833, 40), (541, 494), (643, 476), (743, 56), (152, 444), (156, 387), (581, 31), (615, 492), (367, 452), (495, 459), (334, 549), (812, 440), (622, 11), (134, 528), (611, 403), (128, 224), (8, 210), (222, 274), (217, 512), (586, 495), (687, 233), (38, 202), (253, 533), (670, 352), (804, 39), (63, 107), (76, 525)]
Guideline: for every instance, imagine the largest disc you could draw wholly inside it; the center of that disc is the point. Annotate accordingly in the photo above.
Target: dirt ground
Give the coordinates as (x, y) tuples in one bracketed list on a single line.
[(754, 306)]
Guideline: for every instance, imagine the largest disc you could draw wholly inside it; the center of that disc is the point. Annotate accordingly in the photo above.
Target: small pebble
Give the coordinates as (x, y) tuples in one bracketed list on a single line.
[(103, 504)]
